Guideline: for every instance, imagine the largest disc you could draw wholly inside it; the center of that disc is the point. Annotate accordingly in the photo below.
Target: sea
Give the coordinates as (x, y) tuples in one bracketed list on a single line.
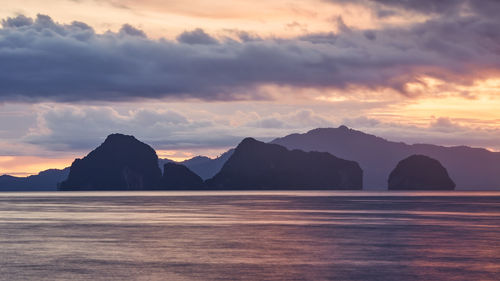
[(254, 235)]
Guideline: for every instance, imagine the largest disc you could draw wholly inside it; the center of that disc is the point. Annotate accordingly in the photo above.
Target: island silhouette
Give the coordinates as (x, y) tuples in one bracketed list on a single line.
[(120, 163), (259, 165), (419, 172), (470, 168), (124, 163)]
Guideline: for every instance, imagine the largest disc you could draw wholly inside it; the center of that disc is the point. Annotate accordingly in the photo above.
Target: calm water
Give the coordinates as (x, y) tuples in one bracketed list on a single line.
[(250, 236)]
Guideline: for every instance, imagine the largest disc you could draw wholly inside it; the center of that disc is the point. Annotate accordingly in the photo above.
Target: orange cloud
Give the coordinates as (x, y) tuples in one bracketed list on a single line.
[(160, 18)]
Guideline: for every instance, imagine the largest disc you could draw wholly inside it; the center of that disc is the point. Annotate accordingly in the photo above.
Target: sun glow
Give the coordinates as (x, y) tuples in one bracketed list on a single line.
[(386, 83), (284, 18), (174, 155), (30, 165)]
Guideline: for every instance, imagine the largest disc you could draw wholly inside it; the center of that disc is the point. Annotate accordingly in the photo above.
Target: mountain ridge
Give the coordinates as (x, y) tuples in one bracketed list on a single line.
[(265, 166), (46, 180), (203, 166), (470, 167)]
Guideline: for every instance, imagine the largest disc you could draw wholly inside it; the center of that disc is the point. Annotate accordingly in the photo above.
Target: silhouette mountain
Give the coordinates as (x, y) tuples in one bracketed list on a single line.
[(419, 172), (203, 166), (176, 176), (258, 165), (471, 168), (120, 163), (163, 161), (44, 181)]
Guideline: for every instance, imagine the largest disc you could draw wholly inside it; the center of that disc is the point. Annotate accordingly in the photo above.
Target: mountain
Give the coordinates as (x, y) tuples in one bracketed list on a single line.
[(163, 161), (120, 163), (471, 168), (179, 177), (203, 166), (419, 172), (206, 167), (258, 165), (44, 181)]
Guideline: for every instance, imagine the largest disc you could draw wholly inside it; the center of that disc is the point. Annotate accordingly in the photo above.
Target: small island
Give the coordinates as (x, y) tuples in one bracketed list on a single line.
[(420, 172)]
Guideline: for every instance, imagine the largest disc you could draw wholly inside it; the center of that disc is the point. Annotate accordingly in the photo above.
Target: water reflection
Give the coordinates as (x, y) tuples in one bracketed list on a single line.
[(250, 236)]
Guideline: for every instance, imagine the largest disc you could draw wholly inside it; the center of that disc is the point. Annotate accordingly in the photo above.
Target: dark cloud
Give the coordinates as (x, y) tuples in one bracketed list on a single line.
[(127, 29), (18, 21), (197, 36), (370, 34), (245, 36), (44, 60), (383, 13)]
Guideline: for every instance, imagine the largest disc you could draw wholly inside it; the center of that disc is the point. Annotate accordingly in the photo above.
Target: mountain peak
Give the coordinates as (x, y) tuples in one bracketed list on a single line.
[(248, 141), (120, 162), (343, 128), (119, 137)]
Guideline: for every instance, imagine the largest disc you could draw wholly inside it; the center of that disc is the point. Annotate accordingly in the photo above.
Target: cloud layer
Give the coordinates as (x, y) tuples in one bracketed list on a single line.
[(62, 128), (68, 128), (43, 60)]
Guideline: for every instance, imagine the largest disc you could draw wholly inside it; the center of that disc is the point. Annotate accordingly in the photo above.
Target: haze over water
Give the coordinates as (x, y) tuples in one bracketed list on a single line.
[(250, 236)]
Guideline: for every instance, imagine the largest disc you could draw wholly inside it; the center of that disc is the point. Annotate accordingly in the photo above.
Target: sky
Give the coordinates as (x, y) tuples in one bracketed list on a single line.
[(195, 77)]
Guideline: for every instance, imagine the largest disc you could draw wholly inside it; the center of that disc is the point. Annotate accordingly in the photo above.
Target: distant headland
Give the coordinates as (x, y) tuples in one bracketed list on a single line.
[(325, 158)]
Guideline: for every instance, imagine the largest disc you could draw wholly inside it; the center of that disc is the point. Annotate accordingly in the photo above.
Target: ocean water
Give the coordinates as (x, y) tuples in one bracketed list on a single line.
[(250, 236)]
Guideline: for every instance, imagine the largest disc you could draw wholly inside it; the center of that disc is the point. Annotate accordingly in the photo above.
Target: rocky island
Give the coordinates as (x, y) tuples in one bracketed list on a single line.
[(120, 163), (420, 172), (259, 165), (179, 177)]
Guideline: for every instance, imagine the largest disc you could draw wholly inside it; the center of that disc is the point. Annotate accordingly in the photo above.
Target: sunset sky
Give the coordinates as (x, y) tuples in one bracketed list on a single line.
[(195, 77)]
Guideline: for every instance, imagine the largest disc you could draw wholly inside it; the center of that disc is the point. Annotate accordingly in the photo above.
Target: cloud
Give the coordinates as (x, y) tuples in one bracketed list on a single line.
[(43, 60), (370, 35), (127, 29), (442, 131), (61, 128), (423, 6), (305, 118), (18, 21), (197, 36), (446, 125), (65, 127), (442, 7)]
